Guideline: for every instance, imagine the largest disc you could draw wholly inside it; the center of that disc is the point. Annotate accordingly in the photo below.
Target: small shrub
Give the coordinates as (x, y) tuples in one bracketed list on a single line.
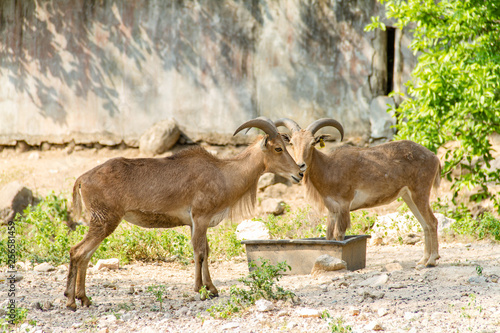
[(361, 223), (259, 283), (294, 224), (223, 242), (484, 226), (20, 317), (158, 291), (335, 324), (43, 236)]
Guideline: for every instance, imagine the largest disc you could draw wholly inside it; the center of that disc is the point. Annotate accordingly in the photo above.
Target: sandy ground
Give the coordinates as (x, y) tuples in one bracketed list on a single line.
[(451, 297)]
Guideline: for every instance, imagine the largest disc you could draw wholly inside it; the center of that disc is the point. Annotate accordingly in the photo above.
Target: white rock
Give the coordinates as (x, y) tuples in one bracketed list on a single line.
[(249, 229), (382, 312), (112, 263), (411, 316), (444, 223), (230, 325), (126, 316), (269, 179), (354, 311), (374, 326), (34, 156), (477, 280), (183, 311), (374, 281), (44, 267), (263, 305), (308, 313)]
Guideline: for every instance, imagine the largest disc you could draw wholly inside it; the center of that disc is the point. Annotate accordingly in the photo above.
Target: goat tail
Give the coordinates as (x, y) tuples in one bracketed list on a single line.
[(437, 179), (77, 200)]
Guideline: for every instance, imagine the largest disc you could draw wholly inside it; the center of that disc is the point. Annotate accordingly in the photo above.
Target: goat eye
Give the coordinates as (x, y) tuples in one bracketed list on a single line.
[(279, 150)]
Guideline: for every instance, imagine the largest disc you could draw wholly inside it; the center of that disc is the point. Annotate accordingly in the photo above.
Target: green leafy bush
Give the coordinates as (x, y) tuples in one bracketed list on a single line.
[(454, 93), (259, 283), (335, 324), (43, 236), (159, 291), (483, 226), (223, 242), (294, 224)]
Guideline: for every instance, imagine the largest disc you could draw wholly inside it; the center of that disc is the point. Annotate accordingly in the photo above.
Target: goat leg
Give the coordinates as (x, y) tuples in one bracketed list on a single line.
[(338, 222), (207, 281)]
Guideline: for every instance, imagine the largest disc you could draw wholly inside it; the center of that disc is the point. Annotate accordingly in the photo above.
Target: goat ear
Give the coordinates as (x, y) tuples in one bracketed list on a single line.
[(320, 138), (285, 137), (263, 143)]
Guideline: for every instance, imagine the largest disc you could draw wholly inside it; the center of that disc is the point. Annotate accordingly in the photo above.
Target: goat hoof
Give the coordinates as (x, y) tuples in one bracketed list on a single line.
[(209, 295), (71, 306), (85, 301)]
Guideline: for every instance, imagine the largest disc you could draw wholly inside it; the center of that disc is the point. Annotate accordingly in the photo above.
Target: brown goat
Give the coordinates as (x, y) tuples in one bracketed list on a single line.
[(351, 178), (190, 188)]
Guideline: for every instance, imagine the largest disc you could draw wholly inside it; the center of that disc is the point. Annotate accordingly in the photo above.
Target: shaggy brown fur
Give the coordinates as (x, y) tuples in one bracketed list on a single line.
[(352, 178), (191, 188)]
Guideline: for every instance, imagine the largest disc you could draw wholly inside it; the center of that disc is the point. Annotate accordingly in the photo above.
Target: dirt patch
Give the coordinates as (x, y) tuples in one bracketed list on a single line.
[(448, 298)]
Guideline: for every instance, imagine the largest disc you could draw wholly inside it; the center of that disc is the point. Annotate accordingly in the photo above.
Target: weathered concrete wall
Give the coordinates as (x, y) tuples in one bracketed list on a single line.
[(106, 70)]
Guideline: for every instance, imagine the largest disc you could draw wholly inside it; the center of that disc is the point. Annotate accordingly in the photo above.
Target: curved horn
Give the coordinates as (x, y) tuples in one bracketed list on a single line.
[(261, 123), (315, 126), (288, 123)]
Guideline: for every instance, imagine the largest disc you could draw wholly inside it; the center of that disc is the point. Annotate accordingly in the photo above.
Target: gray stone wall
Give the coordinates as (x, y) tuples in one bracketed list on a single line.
[(107, 70)]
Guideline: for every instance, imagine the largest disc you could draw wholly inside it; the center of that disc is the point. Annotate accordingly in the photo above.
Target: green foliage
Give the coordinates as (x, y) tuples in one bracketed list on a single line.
[(158, 291), (483, 226), (455, 87), (298, 224), (223, 242), (293, 225), (335, 324), (20, 317), (43, 236), (259, 283), (361, 223)]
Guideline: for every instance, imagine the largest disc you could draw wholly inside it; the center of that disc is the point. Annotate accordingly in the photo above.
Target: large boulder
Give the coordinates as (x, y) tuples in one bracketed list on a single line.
[(14, 198), (160, 137)]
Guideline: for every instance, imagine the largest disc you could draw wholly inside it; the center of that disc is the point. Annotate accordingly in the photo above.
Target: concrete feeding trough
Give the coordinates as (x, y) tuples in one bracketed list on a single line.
[(301, 254)]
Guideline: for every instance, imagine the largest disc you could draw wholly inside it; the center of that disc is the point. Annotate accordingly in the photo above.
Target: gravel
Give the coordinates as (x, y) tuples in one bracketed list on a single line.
[(448, 298)]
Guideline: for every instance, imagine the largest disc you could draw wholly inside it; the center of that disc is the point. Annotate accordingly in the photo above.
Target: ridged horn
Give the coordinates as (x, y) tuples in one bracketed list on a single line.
[(261, 123), (320, 123), (288, 123)]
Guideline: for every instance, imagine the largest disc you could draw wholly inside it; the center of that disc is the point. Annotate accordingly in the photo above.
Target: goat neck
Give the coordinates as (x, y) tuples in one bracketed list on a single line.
[(243, 171)]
